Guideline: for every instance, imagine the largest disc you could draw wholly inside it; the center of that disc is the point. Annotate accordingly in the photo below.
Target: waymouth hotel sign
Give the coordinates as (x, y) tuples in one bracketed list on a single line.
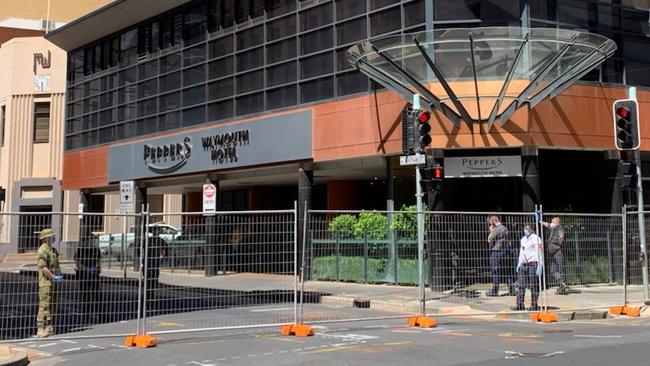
[(483, 166), (264, 141)]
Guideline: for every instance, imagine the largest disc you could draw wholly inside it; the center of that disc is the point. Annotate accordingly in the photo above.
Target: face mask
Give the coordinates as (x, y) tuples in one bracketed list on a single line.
[(553, 225), (526, 232)]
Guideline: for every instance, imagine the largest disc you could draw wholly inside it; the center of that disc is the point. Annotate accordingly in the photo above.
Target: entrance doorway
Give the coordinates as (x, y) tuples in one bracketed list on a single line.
[(29, 226)]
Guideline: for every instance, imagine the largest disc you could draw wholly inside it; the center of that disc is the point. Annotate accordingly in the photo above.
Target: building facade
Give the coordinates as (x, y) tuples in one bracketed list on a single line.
[(259, 98)]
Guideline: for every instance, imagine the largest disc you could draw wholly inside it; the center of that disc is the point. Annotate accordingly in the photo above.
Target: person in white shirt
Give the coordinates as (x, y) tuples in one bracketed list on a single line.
[(529, 268)]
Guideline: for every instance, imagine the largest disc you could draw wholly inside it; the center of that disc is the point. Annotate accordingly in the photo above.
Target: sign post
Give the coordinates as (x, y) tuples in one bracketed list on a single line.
[(209, 199), (127, 196)]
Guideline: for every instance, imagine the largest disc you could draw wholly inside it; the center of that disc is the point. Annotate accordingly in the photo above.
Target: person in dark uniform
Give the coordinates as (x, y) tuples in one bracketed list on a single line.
[(555, 253), (156, 250), (87, 259), (497, 239)]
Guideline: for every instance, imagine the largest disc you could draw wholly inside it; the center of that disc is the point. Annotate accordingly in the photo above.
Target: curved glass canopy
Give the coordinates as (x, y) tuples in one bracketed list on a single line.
[(481, 74)]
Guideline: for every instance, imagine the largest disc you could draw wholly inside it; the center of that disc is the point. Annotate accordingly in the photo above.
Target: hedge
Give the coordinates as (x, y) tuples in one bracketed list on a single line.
[(352, 270)]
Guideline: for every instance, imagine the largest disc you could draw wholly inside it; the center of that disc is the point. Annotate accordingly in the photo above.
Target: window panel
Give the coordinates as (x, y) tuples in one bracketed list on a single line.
[(194, 55), (194, 116), (220, 68), (169, 101), (351, 31), (194, 95), (220, 110), (250, 81), (221, 46), (414, 13), (349, 8), (281, 51), (148, 88), (169, 121), (316, 17), (106, 117), (170, 82), (281, 28), (194, 24), (146, 126), (170, 62), (221, 89), (250, 59), (376, 4), (278, 7), (316, 41), (351, 83), (194, 75), (106, 134), (3, 115), (250, 37), (281, 74), (251, 103), (148, 69), (318, 89), (342, 60), (385, 21), (281, 97), (147, 107), (317, 65)]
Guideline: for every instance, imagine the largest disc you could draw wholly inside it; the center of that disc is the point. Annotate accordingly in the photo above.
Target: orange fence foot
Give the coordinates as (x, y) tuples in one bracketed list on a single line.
[(544, 316), (298, 330), (422, 322), (625, 310), (140, 341)]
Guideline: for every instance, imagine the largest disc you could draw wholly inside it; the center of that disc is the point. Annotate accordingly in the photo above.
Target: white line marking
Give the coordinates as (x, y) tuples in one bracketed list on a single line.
[(95, 347), (597, 336), (273, 309), (221, 359), (71, 349), (551, 354), (235, 357), (67, 341), (308, 348), (47, 345), (297, 350), (119, 346), (283, 351), (206, 361)]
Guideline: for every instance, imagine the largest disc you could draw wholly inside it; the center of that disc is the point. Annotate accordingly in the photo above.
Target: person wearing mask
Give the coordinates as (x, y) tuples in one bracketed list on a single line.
[(49, 277), (88, 268), (497, 239), (529, 268), (554, 245)]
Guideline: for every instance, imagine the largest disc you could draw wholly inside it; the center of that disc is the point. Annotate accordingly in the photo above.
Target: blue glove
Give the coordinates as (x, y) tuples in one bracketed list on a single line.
[(538, 216), (538, 271), (58, 278), (518, 267)]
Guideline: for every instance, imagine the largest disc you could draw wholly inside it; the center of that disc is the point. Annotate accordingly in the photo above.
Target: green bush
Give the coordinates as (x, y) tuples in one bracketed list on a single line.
[(344, 224), (351, 270), (373, 224), (406, 223), (592, 270)]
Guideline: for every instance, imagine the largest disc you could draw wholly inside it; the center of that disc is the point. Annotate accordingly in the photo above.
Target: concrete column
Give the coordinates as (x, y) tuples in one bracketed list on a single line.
[(531, 188), (214, 257)]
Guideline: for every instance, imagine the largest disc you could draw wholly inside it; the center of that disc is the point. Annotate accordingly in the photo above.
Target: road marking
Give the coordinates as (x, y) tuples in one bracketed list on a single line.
[(597, 336), (235, 357), (67, 341), (271, 309), (283, 351), (169, 324), (458, 334), (252, 355), (119, 346), (199, 363), (71, 349), (268, 353), (347, 337), (308, 348), (47, 345), (551, 354), (519, 335), (376, 327), (95, 347)]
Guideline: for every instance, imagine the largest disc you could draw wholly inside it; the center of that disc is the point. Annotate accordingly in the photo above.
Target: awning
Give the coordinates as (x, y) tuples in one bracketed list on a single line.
[(481, 74)]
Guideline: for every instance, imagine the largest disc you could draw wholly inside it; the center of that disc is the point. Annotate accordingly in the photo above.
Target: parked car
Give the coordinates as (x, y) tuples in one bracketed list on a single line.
[(110, 245)]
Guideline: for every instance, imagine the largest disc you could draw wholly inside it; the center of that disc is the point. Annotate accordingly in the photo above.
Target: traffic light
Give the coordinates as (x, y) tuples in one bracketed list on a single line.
[(423, 129), (431, 178), (408, 131), (437, 173), (626, 124), (626, 174)]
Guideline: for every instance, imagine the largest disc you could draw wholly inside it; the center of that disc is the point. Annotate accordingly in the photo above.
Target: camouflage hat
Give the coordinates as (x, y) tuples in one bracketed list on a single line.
[(45, 233)]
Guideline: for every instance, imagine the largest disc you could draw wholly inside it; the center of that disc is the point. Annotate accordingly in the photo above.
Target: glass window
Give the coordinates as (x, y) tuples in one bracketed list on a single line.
[(351, 83), (318, 89), (250, 81), (221, 46), (351, 31), (250, 59), (146, 126), (376, 4), (125, 130), (385, 21), (194, 75), (414, 13), (281, 28), (154, 44), (220, 110), (166, 32), (221, 89), (228, 11), (194, 24), (316, 17), (128, 76), (128, 47), (168, 102), (349, 8), (89, 138), (169, 121), (170, 62), (147, 107), (281, 97), (170, 82), (542, 9), (214, 15), (281, 51), (251, 103), (107, 100), (194, 95), (316, 41), (106, 117), (41, 122), (106, 134), (148, 69), (221, 67), (281, 74), (194, 55), (317, 65), (275, 8), (148, 88), (342, 59), (194, 116), (250, 37), (243, 11)]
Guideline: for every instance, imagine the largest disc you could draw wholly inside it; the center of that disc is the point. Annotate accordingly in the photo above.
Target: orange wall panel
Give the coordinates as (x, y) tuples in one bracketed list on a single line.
[(85, 169)]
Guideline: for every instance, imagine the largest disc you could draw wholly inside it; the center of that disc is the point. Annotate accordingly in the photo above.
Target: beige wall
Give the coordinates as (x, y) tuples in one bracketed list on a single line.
[(60, 10), (20, 158)]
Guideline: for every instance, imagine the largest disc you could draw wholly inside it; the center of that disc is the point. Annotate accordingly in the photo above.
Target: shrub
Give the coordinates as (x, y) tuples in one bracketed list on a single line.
[(373, 224), (344, 224), (406, 223)]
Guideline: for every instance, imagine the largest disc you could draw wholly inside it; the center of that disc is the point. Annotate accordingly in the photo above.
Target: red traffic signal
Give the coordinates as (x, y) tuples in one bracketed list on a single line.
[(424, 117), (622, 112), (437, 173), (626, 124)]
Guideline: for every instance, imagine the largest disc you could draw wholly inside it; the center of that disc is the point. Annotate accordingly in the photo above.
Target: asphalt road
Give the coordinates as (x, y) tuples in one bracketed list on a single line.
[(454, 342)]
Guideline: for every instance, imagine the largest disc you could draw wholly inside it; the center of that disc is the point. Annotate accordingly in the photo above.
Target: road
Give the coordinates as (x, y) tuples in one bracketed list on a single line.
[(455, 341)]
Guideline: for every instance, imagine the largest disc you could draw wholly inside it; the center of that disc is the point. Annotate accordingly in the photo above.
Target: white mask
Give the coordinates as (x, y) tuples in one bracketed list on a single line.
[(553, 225)]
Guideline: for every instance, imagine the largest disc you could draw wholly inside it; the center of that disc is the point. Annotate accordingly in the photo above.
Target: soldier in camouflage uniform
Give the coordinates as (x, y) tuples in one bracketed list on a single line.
[(49, 274)]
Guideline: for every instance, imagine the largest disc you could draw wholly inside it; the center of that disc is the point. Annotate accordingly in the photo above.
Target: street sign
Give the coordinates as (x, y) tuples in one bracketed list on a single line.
[(412, 159), (127, 196), (209, 198)]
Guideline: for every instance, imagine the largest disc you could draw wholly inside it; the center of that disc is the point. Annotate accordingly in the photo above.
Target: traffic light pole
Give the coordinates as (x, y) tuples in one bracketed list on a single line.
[(418, 201), (640, 208)]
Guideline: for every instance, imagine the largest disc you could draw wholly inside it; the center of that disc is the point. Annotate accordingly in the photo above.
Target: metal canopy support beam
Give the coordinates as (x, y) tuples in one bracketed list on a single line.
[(559, 89), (506, 84), (478, 98), (450, 93), (384, 79), (515, 104)]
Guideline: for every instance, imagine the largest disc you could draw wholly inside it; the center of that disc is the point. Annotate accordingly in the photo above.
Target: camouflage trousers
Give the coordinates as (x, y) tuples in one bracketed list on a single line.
[(47, 300)]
